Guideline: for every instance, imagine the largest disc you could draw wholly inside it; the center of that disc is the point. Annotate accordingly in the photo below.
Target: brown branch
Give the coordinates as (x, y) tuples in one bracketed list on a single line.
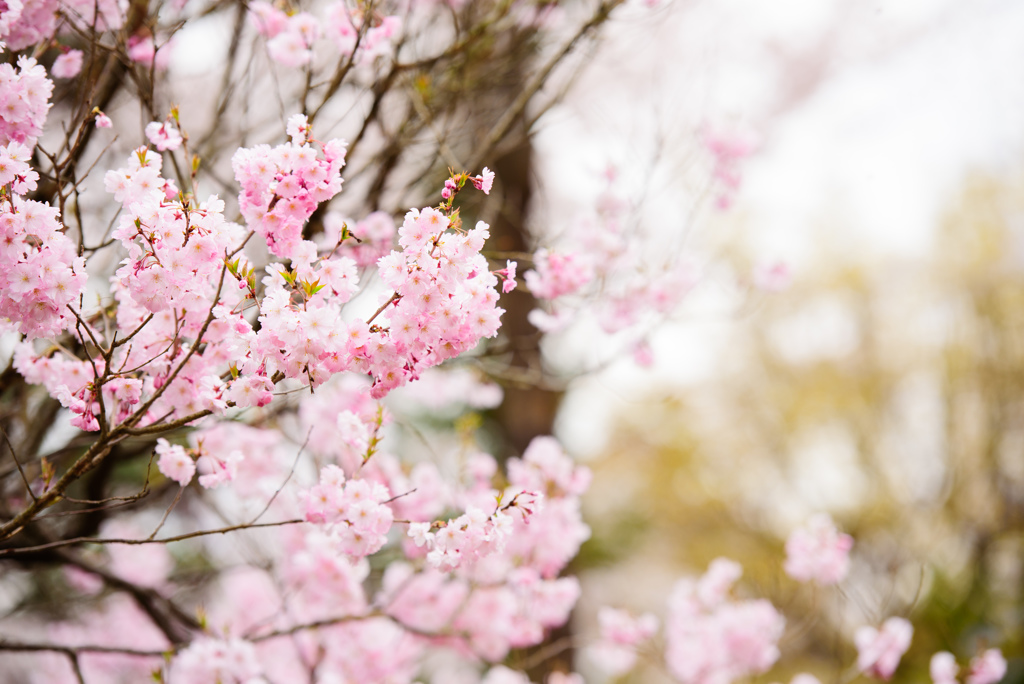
[(24, 479), (160, 609), (166, 540), (394, 298), (85, 462), (99, 449), (329, 622), (515, 110), (163, 427), (8, 645)]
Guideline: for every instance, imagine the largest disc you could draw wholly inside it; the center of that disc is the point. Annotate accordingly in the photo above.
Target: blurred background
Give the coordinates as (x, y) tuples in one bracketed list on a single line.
[(879, 377)]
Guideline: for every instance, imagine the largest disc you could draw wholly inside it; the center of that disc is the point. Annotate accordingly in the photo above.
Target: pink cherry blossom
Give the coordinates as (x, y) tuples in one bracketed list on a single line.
[(343, 27), (164, 136), (484, 181), (267, 19), (556, 275), (24, 102), (353, 512), (987, 668), (711, 638), (216, 661), (67, 65), (218, 469), (772, 276), (509, 275), (804, 678), (818, 552), (621, 634), (879, 650), (728, 150), (174, 463), (943, 668), (282, 186), (40, 272)]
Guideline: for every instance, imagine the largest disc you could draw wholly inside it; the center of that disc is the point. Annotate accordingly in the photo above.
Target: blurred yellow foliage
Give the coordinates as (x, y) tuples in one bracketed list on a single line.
[(890, 395)]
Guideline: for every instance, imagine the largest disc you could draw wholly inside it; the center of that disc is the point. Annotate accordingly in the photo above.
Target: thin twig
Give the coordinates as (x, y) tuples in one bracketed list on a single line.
[(18, 463), (285, 483), (165, 540)]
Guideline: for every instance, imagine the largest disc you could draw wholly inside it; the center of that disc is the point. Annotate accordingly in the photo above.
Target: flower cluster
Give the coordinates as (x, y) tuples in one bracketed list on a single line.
[(67, 64), (302, 334), (879, 650), (174, 462), (728, 150), (22, 26), (600, 263), (987, 668), (355, 512), (470, 537), (344, 27), (165, 135), (282, 186), (167, 287), (621, 634), (217, 661), (444, 301), (291, 39), (27, 22), (818, 552), (24, 101), (712, 638), (514, 613), (325, 583), (40, 271), (175, 250), (556, 275), (216, 466), (499, 595), (553, 534)]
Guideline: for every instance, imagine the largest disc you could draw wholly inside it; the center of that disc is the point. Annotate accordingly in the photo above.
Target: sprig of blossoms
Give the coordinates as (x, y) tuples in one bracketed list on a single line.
[(879, 650), (174, 463), (712, 638), (282, 186), (354, 512), (445, 299), (291, 38), (40, 270), (217, 661), (988, 667), (621, 634), (26, 23), (24, 101), (164, 135), (471, 536), (818, 552)]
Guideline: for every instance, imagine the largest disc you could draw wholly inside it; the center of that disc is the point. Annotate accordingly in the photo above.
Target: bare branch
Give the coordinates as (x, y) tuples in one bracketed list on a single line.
[(165, 540)]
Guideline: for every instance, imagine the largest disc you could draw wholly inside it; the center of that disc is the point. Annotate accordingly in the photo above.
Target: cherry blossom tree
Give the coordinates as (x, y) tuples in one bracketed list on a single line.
[(230, 299)]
